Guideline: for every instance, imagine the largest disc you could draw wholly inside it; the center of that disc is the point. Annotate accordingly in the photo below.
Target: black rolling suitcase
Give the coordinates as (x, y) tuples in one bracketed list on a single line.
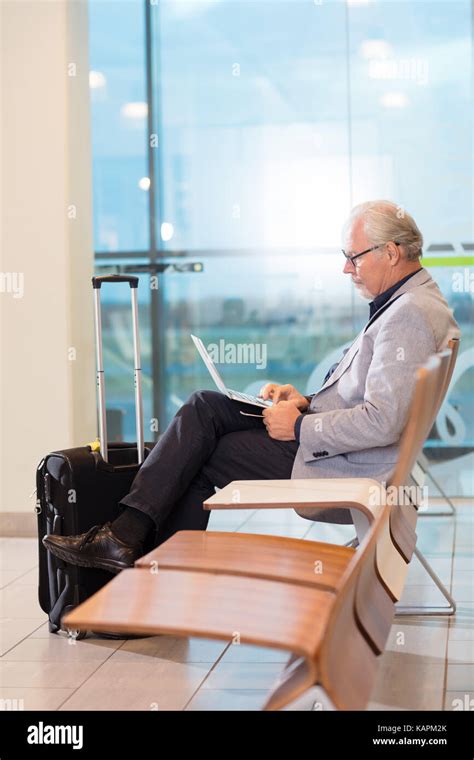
[(81, 487)]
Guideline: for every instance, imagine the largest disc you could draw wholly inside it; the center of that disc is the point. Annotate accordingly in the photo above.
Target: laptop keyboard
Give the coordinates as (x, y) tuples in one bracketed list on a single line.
[(249, 399)]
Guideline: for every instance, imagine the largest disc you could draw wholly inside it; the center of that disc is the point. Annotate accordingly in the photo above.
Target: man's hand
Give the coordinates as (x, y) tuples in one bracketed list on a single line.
[(280, 420), (278, 393)]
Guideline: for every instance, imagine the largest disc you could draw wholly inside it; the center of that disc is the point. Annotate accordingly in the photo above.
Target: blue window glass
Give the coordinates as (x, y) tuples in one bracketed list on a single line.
[(119, 125)]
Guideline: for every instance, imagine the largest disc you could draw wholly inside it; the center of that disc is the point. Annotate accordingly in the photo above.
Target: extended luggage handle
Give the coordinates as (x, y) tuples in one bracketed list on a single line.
[(98, 280), (137, 372)]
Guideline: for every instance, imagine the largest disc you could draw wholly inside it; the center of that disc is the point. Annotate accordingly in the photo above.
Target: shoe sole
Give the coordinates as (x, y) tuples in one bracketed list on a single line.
[(112, 566)]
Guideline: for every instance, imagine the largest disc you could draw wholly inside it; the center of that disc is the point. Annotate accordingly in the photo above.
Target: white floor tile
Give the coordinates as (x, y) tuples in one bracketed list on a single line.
[(463, 592), (60, 675), (18, 601), (331, 534), (138, 685), (460, 651), (247, 653), (417, 575), (171, 648), (216, 700), (460, 677), (43, 633), (9, 576), (424, 638), (29, 578), (61, 650), (242, 675), (228, 519), (435, 535), (33, 699), (409, 682), (459, 701), (280, 517), (380, 707), (427, 594), (462, 624), (463, 562), (14, 630)]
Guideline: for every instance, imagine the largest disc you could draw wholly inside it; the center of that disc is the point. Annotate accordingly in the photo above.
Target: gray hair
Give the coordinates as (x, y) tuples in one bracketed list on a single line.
[(385, 221)]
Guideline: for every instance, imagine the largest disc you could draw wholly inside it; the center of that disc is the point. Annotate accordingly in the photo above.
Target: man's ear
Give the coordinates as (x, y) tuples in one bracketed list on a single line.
[(393, 253)]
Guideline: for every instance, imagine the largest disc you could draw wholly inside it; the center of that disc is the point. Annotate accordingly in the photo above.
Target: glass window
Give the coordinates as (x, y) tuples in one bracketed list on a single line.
[(411, 141), (252, 176), (254, 143), (119, 125)]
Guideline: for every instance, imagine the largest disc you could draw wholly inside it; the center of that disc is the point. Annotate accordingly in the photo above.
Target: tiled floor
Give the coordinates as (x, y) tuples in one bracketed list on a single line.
[(428, 663)]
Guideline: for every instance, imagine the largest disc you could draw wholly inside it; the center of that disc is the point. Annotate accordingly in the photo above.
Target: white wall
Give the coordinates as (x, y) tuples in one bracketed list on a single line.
[(47, 400)]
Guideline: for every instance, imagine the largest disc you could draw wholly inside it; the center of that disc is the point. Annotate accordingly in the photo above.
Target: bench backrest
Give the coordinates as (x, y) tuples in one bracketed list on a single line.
[(363, 611)]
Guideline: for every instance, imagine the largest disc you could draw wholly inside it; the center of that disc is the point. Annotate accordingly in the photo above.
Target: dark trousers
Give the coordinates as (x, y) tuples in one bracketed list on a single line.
[(208, 443)]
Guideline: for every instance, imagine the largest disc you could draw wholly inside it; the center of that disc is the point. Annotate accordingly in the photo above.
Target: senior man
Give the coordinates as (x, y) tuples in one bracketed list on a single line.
[(350, 427)]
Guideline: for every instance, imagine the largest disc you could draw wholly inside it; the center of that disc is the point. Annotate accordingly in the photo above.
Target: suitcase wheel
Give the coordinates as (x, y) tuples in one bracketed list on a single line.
[(71, 632)]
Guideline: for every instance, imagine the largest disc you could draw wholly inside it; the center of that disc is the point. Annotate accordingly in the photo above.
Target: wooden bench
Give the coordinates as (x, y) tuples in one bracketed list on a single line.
[(335, 628), (421, 470)]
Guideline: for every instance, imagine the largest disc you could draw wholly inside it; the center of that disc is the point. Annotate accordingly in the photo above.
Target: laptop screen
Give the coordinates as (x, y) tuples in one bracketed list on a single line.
[(209, 364)]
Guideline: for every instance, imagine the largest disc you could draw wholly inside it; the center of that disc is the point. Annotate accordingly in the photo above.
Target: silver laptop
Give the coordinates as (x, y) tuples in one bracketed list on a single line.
[(234, 395)]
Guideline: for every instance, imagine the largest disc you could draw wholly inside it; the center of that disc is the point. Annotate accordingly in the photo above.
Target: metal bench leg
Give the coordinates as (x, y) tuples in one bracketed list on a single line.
[(451, 512), (428, 609), (314, 698)]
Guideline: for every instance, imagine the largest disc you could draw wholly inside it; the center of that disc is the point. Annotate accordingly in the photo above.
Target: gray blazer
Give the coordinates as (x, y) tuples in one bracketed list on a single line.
[(355, 420)]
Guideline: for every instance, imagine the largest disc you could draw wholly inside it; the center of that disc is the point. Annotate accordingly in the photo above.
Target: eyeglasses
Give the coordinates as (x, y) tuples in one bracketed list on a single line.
[(362, 253)]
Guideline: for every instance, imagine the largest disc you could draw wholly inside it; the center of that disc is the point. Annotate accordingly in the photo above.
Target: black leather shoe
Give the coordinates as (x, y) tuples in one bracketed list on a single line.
[(99, 548)]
